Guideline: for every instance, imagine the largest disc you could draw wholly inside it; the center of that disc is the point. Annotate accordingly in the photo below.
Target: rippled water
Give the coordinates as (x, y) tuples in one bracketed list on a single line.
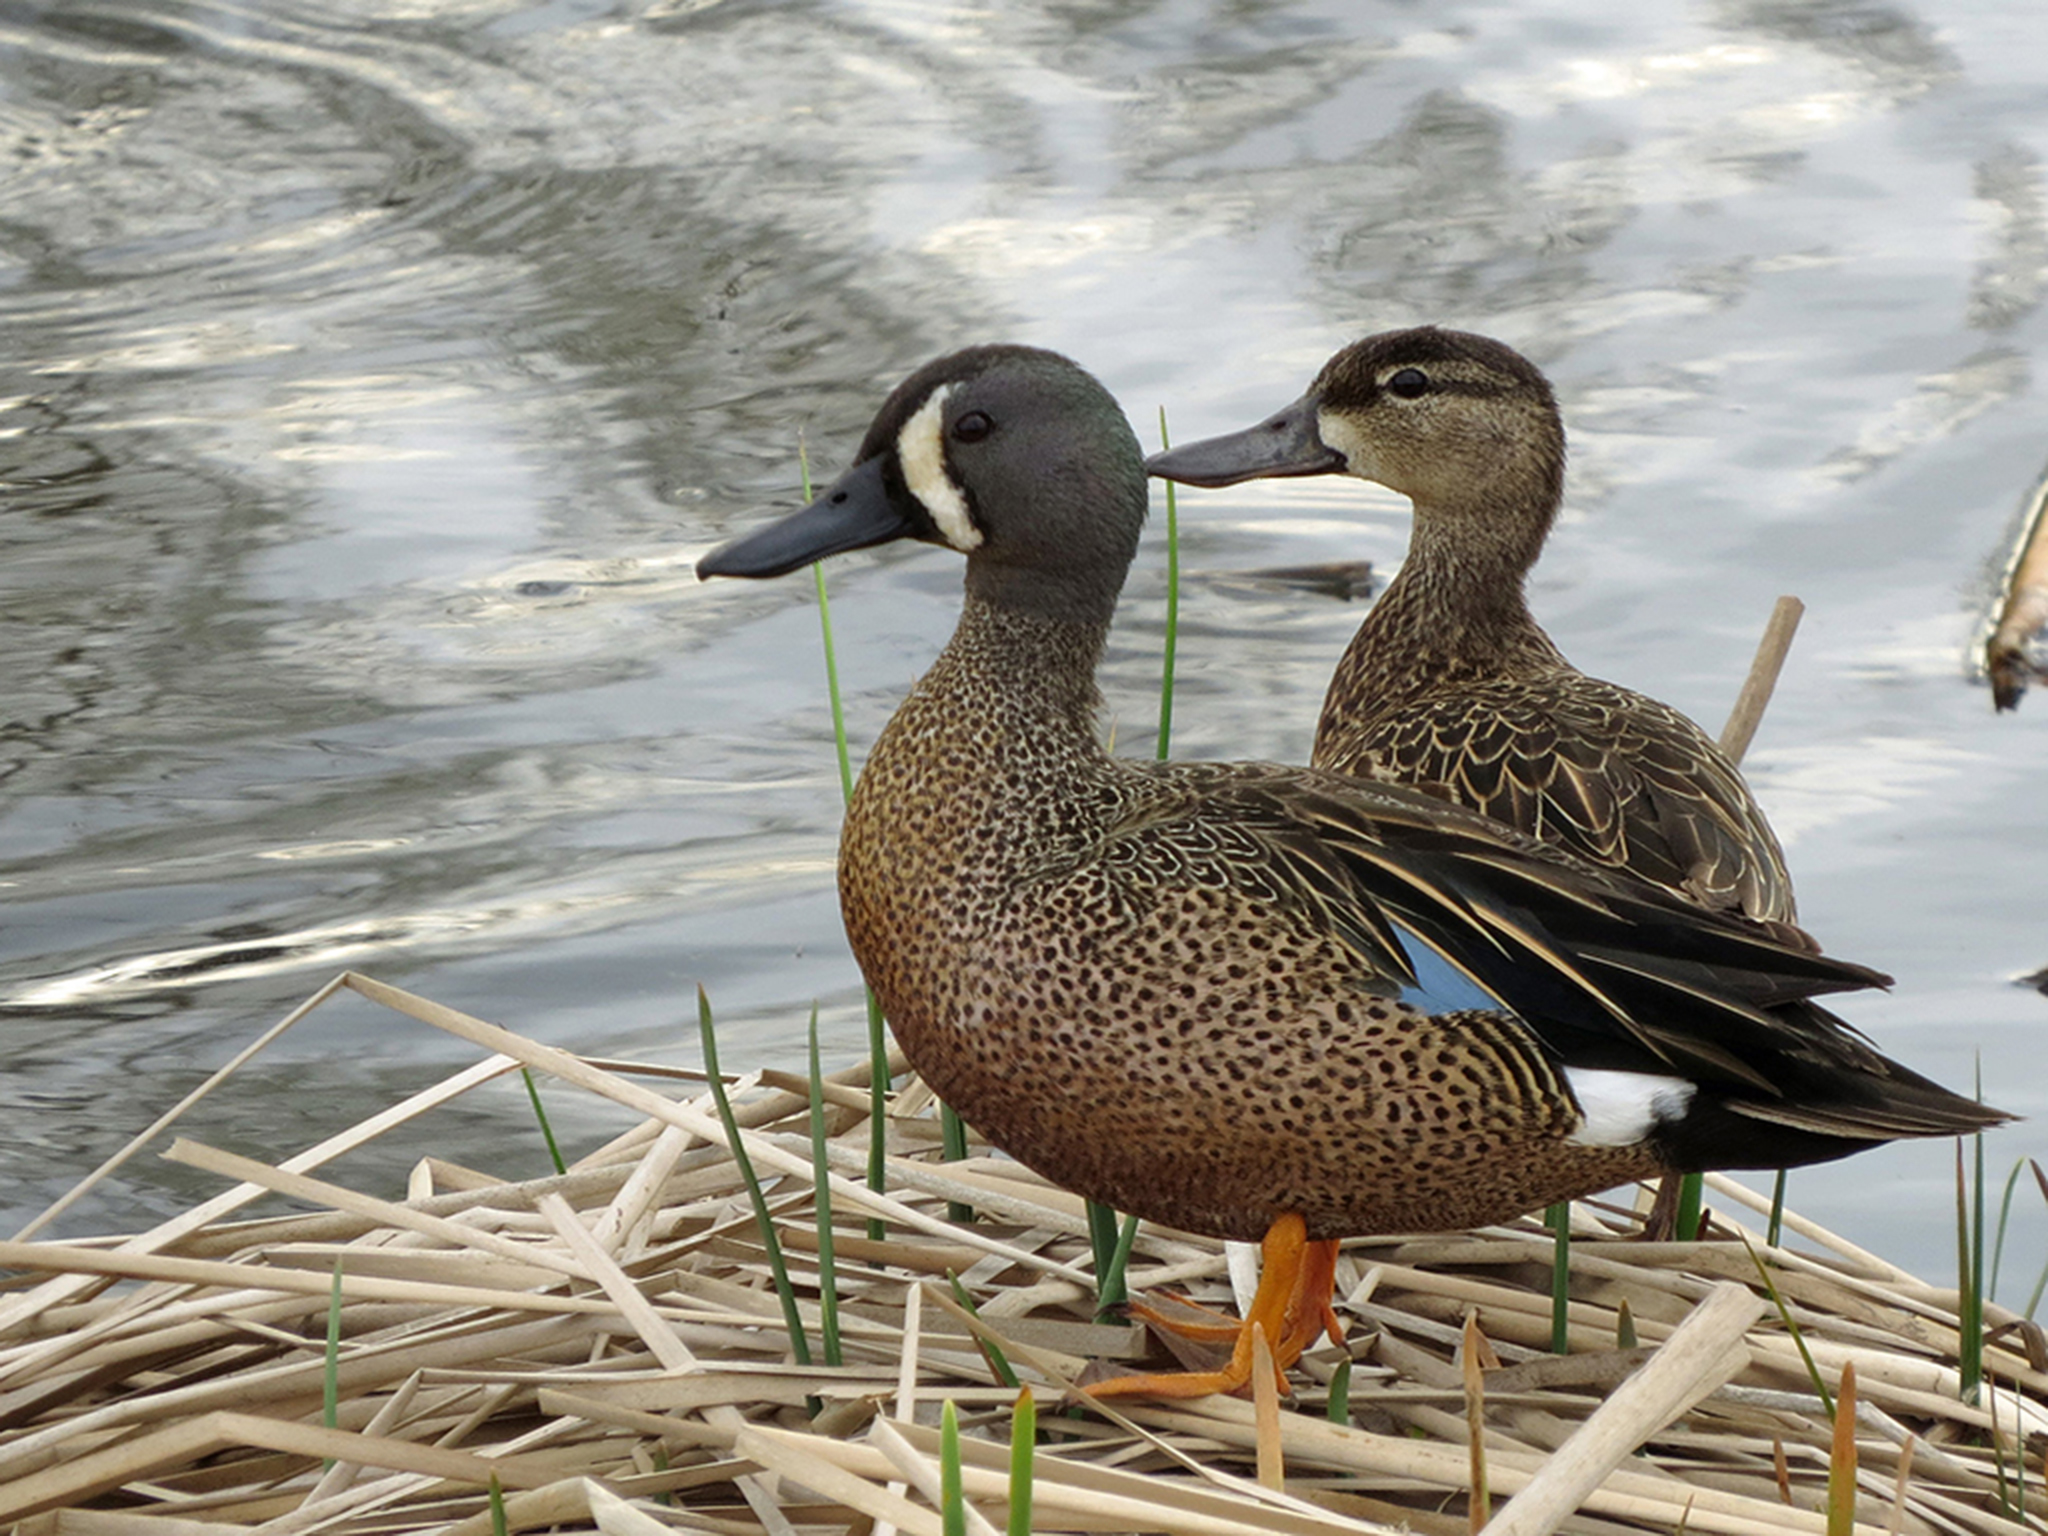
[(376, 372)]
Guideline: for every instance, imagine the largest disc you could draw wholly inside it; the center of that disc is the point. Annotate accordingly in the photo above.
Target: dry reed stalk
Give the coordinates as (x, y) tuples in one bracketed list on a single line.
[(16, 1311), (1479, 1495), (1271, 1462), (1702, 1354), (1762, 680), (607, 1343)]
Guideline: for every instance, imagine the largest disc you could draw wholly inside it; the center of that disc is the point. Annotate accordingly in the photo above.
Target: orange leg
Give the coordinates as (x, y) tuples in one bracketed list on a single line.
[(1292, 1305), (1310, 1313)]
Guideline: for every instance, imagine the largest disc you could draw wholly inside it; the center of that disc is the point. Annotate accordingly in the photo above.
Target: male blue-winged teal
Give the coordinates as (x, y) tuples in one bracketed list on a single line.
[(1174, 987), (1450, 683)]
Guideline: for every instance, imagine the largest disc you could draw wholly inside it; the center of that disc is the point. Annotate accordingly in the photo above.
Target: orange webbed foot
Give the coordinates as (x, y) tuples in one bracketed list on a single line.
[(1296, 1281)]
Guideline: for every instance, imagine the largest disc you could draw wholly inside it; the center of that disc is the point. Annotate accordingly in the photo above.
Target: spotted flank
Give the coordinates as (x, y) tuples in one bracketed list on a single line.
[(921, 450)]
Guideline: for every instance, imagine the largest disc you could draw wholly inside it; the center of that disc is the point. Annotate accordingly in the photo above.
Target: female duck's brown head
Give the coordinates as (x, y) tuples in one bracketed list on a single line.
[(1464, 426)]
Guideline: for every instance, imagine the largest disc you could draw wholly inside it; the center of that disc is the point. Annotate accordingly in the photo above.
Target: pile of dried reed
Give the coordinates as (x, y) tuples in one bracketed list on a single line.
[(606, 1346)]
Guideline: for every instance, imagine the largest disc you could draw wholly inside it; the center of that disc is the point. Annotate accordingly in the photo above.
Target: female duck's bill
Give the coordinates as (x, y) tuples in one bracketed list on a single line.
[(1285, 445)]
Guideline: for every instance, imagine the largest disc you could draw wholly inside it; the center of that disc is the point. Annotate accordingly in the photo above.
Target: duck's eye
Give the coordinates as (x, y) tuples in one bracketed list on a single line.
[(1409, 383), (972, 427)]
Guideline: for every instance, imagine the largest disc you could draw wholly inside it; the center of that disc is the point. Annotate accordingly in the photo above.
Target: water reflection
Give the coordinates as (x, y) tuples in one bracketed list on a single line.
[(2007, 284), (1895, 51)]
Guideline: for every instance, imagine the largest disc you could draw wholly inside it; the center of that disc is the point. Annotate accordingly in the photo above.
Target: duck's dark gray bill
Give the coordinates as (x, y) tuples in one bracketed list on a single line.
[(1283, 444), (853, 514)]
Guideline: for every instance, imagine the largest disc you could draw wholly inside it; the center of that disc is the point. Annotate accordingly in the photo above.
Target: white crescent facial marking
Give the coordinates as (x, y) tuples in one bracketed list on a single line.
[(921, 450), (1623, 1108)]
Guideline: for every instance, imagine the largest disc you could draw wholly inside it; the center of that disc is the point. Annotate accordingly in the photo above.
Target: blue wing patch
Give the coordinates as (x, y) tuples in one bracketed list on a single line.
[(1440, 986)]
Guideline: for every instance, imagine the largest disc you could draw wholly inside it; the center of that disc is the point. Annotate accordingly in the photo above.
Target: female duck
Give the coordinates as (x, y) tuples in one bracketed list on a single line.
[(1450, 684), (1174, 987)]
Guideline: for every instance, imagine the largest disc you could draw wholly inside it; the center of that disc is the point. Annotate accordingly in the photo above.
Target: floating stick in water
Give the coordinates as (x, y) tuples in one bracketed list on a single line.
[(2025, 612)]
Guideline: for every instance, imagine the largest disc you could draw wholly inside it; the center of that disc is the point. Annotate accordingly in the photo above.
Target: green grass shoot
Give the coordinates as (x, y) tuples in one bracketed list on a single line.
[(1558, 1218), (1339, 1409), (1820, 1387), (1775, 1228), (953, 1147), (821, 1204), (878, 1032), (1624, 1326), (1970, 1290), (1102, 1226), (499, 1525), (952, 1497), (1691, 1195), (2012, 1185), (1970, 1275), (330, 1387), (1120, 1260), (541, 1115), (878, 1110), (803, 460), (1109, 1239), (1023, 1458), (1172, 607), (783, 1290), (330, 1374), (2040, 1284), (2012, 1499), (2005, 1502), (998, 1363)]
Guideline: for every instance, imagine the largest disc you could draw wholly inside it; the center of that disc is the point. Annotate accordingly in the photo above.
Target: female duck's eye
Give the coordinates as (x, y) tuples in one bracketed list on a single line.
[(1409, 383), (972, 427)]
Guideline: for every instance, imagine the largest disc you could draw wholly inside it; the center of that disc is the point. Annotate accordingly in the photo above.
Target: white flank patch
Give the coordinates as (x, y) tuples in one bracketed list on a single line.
[(921, 450), (1622, 1108)]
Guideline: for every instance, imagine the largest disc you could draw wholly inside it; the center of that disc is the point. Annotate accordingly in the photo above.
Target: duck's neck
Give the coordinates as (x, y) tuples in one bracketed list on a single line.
[(1006, 715), (1456, 611), (1032, 672)]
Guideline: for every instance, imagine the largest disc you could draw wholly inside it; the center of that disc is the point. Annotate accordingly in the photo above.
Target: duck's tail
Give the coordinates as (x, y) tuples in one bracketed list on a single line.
[(1832, 1095)]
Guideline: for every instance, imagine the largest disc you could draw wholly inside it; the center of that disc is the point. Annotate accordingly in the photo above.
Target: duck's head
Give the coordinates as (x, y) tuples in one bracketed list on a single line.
[(1449, 419), (1013, 456)]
